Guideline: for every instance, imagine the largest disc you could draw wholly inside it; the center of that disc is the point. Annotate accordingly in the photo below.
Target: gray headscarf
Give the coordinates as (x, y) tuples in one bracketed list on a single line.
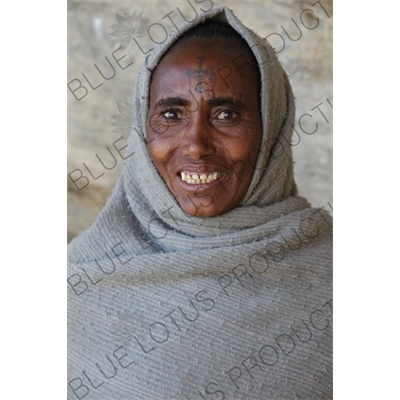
[(163, 305)]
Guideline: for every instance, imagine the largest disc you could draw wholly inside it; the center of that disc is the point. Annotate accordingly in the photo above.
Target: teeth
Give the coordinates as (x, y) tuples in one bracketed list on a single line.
[(198, 178)]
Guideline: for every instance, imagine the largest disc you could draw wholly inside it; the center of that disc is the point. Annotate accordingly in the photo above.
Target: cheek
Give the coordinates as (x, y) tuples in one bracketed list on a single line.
[(252, 152), (247, 150), (158, 154), (158, 150), (161, 153)]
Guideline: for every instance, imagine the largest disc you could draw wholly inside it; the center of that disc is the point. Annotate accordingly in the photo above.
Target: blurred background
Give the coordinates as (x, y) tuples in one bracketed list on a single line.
[(101, 79)]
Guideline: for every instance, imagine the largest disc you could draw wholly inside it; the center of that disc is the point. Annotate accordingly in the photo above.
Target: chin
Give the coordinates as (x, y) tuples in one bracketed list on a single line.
[(197, 210)]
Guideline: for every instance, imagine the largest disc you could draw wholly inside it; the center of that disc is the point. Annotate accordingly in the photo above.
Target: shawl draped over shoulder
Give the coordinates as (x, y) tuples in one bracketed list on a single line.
[(163, 305)]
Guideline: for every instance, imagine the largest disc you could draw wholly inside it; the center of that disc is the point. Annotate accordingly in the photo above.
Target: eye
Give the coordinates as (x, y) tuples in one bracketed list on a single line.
[(171, 114), (226, 115)]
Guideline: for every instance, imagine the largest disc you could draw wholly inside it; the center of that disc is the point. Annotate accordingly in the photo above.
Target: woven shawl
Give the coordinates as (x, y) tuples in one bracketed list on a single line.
[(164, 305)]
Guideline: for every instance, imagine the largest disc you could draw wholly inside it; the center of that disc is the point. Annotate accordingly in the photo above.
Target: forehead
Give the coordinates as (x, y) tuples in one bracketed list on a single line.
[(218, 62)]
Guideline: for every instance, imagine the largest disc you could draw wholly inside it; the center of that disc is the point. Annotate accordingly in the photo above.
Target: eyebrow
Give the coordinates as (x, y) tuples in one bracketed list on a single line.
[(215, 101), (172, 101), (225, 101)]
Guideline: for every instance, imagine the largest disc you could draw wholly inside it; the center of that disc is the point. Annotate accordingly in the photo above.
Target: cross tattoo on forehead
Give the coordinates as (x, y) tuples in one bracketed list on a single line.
[(200, 72)]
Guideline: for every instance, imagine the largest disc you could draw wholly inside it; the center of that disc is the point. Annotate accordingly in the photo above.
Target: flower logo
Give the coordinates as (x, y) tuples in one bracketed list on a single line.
[(123, 122), (128, 26)]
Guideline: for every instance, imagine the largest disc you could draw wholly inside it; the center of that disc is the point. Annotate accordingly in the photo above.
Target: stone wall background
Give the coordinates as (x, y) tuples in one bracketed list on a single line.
[(305, 52)]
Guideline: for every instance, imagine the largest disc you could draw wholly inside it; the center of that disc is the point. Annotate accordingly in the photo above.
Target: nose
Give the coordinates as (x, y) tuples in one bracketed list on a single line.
[(198, 140)]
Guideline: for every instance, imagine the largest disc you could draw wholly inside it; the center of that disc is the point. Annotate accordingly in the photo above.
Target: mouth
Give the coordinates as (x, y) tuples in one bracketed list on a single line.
[(197, 178)]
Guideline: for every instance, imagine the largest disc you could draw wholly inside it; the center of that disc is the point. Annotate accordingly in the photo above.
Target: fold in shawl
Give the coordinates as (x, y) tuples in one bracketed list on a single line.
[(163, 305)]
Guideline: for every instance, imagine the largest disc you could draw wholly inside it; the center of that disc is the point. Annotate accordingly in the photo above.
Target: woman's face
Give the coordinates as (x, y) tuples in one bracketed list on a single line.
[(204, 125)]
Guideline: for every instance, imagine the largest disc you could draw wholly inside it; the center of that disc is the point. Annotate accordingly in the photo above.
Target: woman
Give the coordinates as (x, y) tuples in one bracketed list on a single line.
[(205, 276)]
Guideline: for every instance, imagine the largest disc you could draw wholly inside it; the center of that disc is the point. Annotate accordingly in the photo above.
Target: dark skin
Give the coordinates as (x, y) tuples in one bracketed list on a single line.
[(202, 126)]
